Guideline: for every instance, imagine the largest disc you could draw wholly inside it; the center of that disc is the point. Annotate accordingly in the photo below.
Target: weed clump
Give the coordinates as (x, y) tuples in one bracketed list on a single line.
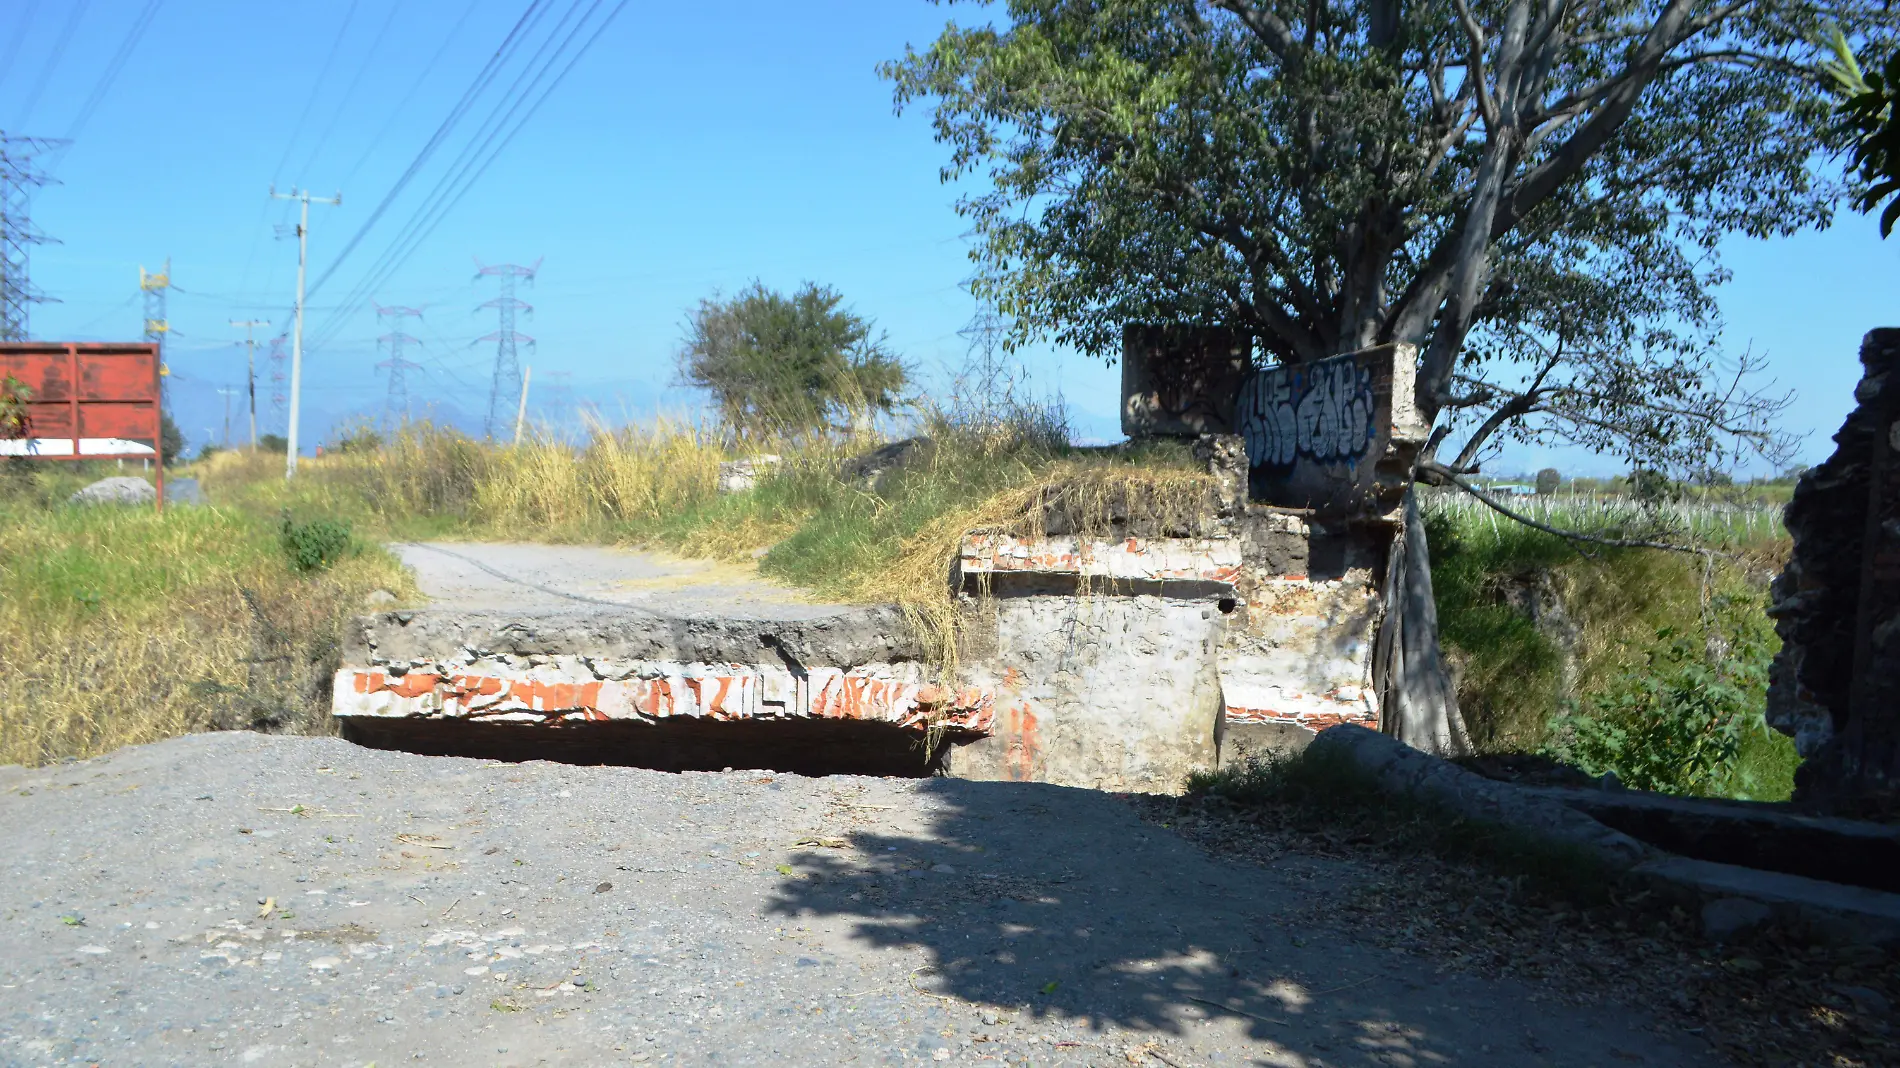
[(315, 545)]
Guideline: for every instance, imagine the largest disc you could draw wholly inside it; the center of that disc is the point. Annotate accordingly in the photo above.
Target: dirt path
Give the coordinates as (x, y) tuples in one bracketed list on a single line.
[(449, 911), (538, 579)]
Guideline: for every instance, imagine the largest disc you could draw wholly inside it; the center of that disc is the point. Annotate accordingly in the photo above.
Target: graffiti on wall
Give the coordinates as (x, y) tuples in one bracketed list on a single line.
[(1324, 411)]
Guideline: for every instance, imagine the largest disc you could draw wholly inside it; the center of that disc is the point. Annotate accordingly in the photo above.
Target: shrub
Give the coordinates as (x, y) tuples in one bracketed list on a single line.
[(272, 443), (14, 421), (1679, 722), (361, 437), (316, 545), (1548, 481)]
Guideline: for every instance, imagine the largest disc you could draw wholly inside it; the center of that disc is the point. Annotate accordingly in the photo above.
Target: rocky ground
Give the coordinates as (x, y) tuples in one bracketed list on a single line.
[(242, 899), (1770, 998)]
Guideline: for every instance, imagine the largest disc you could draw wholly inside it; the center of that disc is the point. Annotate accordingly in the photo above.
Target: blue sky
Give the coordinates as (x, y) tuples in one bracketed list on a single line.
[(693, 149)]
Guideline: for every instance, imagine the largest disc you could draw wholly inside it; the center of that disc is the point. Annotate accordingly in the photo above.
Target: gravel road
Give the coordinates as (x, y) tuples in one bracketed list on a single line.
[(241, 899)]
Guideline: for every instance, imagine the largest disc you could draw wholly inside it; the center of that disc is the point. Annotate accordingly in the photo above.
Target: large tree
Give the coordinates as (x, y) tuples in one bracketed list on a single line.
[(788, 364), (1532, 191)]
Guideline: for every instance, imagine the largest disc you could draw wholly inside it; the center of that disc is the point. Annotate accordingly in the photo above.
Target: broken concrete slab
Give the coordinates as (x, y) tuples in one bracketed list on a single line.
[(1853, 915), (1398, 768), (1750, 834), (1847, 915)]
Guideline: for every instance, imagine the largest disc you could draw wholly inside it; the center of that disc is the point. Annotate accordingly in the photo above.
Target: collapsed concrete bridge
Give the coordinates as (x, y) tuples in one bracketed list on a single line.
[(1117, 656)]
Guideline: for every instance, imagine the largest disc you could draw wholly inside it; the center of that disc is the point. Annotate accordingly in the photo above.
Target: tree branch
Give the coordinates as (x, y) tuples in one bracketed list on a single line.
[(1445, 473)]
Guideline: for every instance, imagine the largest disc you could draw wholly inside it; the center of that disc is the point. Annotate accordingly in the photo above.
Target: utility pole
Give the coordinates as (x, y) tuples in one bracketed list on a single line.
[(17, 179), (250, 368), (296, 334), (521, 413), (507, 379), (396, 406), (225, 392)]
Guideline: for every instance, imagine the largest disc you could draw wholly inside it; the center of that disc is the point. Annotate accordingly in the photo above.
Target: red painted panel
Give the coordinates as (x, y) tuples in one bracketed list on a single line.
[(112, 390)]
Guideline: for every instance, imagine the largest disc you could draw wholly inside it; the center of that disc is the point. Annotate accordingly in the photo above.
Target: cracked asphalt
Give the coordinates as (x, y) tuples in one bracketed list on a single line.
[(242, 899)]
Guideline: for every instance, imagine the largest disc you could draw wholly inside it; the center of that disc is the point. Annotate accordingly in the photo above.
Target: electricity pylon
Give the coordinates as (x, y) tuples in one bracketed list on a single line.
[(396, 406), (278, 380), (505, 389), (155, 284), (250, 368), (17, 179)]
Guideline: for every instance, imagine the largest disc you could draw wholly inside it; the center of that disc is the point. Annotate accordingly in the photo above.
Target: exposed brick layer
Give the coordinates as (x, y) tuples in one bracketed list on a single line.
[(893, 694)]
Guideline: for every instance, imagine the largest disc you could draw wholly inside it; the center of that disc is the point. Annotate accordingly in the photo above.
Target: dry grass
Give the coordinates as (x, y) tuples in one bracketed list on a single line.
[(1092, 500), (121, 626)]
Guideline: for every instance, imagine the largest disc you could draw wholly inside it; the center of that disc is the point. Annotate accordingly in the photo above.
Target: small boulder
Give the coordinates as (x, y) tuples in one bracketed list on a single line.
[(869, 470), (1867, 1001), (738, 476), (1726, 917), (379, 598), (122, 489)]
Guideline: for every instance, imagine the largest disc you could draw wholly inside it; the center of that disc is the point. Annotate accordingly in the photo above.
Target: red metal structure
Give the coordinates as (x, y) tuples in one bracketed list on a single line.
[(88, 401)]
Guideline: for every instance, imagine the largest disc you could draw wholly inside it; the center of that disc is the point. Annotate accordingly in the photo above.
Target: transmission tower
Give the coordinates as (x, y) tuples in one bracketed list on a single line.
[(505, 391), (278, 402), (396, 407), (154, 284), (17, 180), (560, 397)]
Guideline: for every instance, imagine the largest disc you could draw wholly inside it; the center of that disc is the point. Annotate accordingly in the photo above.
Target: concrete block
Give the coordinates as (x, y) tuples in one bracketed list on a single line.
[(570, 689), (1210, 560), (1113, 693), (1400, 769), (1844, 915), (1725, 917), (1181, 380)]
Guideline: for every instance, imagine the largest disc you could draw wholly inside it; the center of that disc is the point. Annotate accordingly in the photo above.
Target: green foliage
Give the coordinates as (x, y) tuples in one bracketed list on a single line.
[(777, 364), (315, 545), (1509, 673), (1867, 111), (273, 443), (1652, 487), (1549, 480), (171, 439), (1678, 722), (14, 422), (1538, 207), (358, 438)]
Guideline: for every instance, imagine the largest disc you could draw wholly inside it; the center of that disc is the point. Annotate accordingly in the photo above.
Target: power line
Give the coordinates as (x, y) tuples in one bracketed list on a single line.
[(402, 106), (52, 59), (355, 80), (316, 90), (111, 73), (445, 195), (413, 237), (13, 50), (475, 88)]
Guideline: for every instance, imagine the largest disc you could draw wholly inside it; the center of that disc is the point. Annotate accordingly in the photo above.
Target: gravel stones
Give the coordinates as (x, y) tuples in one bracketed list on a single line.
[(755, 919)]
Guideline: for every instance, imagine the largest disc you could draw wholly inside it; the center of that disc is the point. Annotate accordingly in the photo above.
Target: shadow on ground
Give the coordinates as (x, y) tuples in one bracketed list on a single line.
[(1051, 901)]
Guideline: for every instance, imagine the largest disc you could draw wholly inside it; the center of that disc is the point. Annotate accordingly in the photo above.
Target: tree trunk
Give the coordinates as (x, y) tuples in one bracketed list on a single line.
[(1420, 705)]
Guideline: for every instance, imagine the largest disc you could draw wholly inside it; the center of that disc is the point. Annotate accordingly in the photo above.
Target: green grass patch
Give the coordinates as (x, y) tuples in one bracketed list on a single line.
[(1649, 666)]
